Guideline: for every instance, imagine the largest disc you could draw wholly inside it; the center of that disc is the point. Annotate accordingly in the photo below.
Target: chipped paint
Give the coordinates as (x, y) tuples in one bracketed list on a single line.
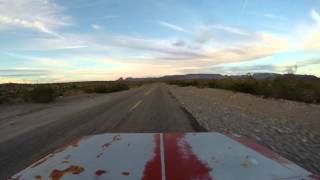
[(125, 173), (58, 174), (246, 162), (99, 155), (100, 172), (108, 144), (259, 148)]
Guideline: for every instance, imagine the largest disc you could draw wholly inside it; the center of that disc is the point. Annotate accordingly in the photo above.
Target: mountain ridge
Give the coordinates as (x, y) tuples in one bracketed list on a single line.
[(258, 76)]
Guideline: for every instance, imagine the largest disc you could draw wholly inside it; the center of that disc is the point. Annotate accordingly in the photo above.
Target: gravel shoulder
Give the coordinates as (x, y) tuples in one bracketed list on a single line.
[(289, 128)]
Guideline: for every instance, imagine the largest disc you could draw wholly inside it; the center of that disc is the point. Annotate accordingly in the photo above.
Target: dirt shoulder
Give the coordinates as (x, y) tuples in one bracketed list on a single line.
[(289, 128), (17, 119), (30, 131)]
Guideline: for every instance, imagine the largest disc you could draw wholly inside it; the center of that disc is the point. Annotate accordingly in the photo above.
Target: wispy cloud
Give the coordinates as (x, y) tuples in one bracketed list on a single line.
[(27, 75), (229, 29), (270, 16), (68, 42), (4, 20), (209, 31), (42, 16), (276, 17), (264, 44), (49, 62), (22, 72), (41, 61), (158, 46), (96, 26), (172, 26)]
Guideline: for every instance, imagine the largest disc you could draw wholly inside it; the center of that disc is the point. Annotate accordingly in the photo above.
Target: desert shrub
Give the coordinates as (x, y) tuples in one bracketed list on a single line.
[(42, 94), (88, 89), (74, 86), (100, 89), (3, 99), (247, 86), (72, 92), (185, 83), (118, 86), (107, 88), (288, 86), (225, 84), (24, 94), (264, 88), (293, 88)]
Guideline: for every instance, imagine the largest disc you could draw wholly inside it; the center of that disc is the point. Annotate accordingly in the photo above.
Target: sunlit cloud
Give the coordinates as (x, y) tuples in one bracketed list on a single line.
[(312, 37), (238, 68), (246, 52)]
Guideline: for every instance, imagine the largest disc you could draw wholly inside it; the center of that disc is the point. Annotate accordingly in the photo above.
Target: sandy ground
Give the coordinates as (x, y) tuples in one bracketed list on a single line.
[(289, 128)]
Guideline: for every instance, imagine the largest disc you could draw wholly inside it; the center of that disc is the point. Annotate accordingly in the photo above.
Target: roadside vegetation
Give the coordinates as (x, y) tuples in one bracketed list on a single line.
[(41, 94), (45, 93), (106, 87), (286, 86)]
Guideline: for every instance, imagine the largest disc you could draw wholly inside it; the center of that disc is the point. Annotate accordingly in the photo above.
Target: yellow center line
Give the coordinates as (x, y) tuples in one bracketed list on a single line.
[(136, 105)]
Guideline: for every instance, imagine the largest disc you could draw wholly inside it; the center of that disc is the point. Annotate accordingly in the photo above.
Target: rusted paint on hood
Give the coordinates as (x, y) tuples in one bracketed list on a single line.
[(160, 156), (58, 174)]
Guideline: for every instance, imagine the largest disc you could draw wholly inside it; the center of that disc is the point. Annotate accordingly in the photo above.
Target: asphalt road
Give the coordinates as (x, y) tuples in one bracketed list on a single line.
[(29, 132)]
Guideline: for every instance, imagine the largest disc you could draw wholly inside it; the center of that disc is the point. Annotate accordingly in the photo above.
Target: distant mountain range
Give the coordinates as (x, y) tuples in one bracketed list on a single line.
[(258, 76)]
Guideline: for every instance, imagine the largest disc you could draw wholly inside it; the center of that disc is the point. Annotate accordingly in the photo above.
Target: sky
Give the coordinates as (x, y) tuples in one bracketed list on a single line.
[(83, 40)]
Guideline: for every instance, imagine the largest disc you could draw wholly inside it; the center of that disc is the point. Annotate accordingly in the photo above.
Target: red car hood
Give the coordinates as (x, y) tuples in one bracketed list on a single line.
[(160, 156)]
